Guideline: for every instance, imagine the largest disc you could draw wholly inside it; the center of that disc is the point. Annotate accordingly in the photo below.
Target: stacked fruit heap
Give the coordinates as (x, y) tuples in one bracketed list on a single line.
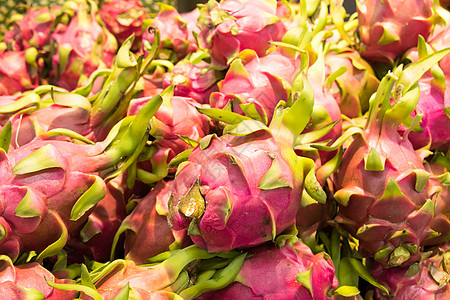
[(249, 149)]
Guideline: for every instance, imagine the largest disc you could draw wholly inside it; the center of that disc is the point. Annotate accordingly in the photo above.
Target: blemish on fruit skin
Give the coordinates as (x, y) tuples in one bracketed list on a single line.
[(191, 207)]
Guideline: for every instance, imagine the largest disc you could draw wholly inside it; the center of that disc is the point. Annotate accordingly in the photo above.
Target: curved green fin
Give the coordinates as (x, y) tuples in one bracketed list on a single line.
[(55, 247), (383, 253), (76, 287), (327, 169), (373, 161), (250, 110), (413, 72), (181, 157), (347, 291), (245, 127), (312, 186), (274, 178), (364, 274), (66, 132), (221, 279), (314, 135), (304, 278), (388, 37), (341, 140), (95, 193), (125, 58), (442, 278), (399, 256), (31, 98), (86, 89), (228, 117), (124, 293), (206, 141), (392, 190), (5, 137), (26, 208), (71, 100), (422, 177), (343, 195), (89, 230), (41, 159)]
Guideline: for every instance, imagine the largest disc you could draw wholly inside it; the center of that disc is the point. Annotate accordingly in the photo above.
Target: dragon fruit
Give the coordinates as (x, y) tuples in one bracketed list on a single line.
[(146, 230), (244, 188), (48, 108), (29, 281), (82, 48), (190, 80), (177, 116), (388, 28), (177, 39), (124, 18), (95, 238), (326, 109), (439, 167), (381, 185), (33, 30), (48, 188), (356, 85), (289, 272), (427, 279), (165, 278), (231, 26), (17, 73), (254, 85)]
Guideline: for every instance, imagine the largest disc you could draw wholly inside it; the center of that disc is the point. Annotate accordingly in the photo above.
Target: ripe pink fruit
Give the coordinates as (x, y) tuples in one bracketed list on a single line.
[(428, 279), (33, 30), (146, 230), (256, 81), (82, 48), (286, 273), (29, 281), (381, 183), (177, 39), (388, 27), (16, 74), (124, 18), (190, 80), (231, 26)]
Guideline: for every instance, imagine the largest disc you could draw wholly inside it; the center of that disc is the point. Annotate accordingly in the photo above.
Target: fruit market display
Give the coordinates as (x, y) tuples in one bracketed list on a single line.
[(245, 149)]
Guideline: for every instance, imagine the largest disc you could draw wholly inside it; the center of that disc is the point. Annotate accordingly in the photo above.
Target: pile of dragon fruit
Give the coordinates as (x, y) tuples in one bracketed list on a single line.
[(247, 149)]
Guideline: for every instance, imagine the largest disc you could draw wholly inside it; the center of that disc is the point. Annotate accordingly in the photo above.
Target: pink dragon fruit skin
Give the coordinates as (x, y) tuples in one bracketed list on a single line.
[(95, 238), (382, 186), (124, 18), (227, 173), (82, 48), (15, 73), (356, 85), (33, 30), (270, 273), (176, 117), (176, 33), (190, 82), (435, 123), (231, 26), (438, 167), (25, 127), (426, 280), (146, 230), (29, 280), (256, 80), (388, 28), (49, 187)]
